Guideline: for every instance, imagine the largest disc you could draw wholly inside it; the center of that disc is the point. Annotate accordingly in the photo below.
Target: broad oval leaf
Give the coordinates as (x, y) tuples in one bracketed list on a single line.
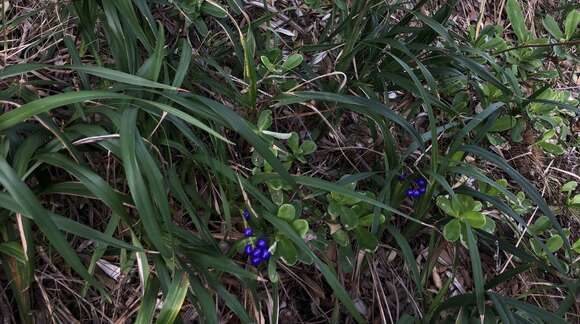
[(474, 218), (452, 230), (301, 227), (552, 27), (287, 212), (292, 62)]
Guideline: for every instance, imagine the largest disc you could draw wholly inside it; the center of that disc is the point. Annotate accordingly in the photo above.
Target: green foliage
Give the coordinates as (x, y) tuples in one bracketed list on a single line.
[(199, 126), (350, 217), (466, 210)]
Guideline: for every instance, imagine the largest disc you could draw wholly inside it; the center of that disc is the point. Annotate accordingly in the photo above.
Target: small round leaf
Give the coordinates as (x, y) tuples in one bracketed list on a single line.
[(452, 230), (287, 212), (301, 227)]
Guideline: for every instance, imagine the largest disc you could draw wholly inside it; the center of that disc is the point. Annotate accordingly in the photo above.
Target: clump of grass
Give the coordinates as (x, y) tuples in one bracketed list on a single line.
[(220, 149)]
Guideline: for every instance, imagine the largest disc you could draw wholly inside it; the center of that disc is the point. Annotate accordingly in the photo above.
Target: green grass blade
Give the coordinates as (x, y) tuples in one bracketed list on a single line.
[(239, 125), (482, 72), (76, 59), (67, 225), (174, 300), (220, 263), (205, 300), (136, 182), (407, 255), (31, 207), (75, 188), (36, 107), (473, 123), (230, 300), (328, 274), (151, 68), (100, 188), (362, 105), (13, 249), (155, 180), (532, 310), (478, 279), (184, 61), (186, 117), (249, 46), (17, 69), (181, 196), (148, 302), (97, 71), (472, 172), (504, 313)]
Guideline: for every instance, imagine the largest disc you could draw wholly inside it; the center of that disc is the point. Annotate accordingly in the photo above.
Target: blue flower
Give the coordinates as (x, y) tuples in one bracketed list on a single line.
[(248, 249), (409, 193), (257, 253), (248, 232), (262, 243), (421, 182), (256, 261), (416, 193), (266, 255), (422, 190)]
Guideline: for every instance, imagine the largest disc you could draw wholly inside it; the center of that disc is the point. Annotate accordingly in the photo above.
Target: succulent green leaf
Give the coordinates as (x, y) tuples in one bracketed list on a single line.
[(367, 220), (341, 237), (266, 61), (308, 147), (445, 205), (348, 218), (292, 62), (474, 218), (576, 246), (366, 240), (554, 243), (569, 186), (265, 120), (574, 201), (301, 227), (287, 251), (540, 225), (287, 212), (452, 230)]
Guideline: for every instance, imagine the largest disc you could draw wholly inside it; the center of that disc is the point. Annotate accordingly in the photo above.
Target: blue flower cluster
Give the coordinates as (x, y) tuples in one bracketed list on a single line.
[(259, 252), (419, 188)]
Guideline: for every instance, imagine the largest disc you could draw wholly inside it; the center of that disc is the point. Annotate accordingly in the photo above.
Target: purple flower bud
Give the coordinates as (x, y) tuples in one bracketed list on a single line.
[(248, 232), (401, 177), (422, 190), (416, 193), (262, 243), (248, 249), (409, 192), (266, 255), (246, 214), (421, 182), (256, 261)]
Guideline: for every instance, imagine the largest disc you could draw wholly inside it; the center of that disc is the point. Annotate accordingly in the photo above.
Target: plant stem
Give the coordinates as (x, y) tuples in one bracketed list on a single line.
[(569, 43)]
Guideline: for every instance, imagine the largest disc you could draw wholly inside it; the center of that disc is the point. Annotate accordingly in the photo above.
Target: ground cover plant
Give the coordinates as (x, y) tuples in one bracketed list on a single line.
[(198, 161)]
